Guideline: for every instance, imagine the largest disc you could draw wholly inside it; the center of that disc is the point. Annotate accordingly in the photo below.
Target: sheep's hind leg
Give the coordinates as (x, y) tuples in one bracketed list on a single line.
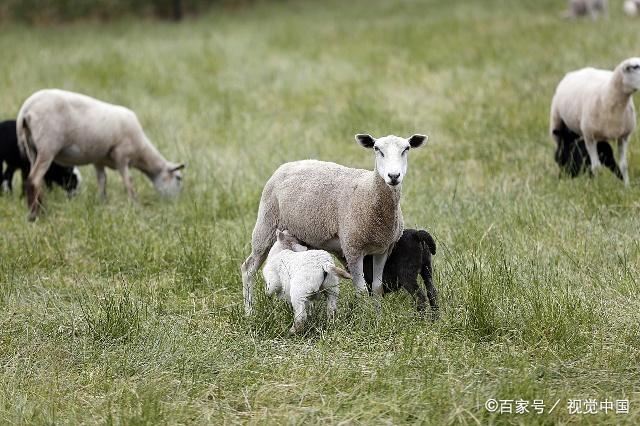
[(623, 144), (248, 271), (101, 176), (34, 184), (592, 150)]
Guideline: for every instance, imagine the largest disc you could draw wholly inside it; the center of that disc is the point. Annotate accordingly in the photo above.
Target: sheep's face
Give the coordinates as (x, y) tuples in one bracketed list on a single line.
[(391, 154), (631, 73), (169, 181)]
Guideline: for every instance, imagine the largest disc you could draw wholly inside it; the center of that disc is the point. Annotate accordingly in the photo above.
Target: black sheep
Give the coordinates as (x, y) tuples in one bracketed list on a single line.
[(66, 177), (573, 158), (410, 256)]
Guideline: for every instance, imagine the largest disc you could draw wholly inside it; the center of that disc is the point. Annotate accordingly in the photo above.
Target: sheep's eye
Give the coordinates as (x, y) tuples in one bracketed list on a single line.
[(376, 149)]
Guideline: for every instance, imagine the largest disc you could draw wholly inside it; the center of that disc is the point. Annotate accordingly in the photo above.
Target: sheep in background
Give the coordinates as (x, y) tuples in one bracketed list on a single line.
[(349, 212), (410, 256), (572, 157), (74, 129), (593, 8), (631, 7), (68, 178), (598, 105), (299, 276)]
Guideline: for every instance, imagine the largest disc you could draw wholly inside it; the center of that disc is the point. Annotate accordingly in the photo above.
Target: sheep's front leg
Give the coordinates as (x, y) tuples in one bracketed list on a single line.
[(356, 269), (592, 149), (101, 176), (126, 179), (623, 144), (378, 268)]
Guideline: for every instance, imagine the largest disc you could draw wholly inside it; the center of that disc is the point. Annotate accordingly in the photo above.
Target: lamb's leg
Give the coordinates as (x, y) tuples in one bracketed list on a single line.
[(378, 268), (410, 284), (34, 183), (101, 176), (299, 304), (623, 144), (432, 293), (592, 150), (332, 290), (7, 178), (24, 172)]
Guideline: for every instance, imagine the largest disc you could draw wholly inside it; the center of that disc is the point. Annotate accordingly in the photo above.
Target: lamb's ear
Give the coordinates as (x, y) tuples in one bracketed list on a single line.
[(299, 248), (279, 235), (416, 141), (365, 140)]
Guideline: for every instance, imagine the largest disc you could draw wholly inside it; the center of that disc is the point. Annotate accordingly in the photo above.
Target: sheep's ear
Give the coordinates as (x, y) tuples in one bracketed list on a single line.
[(365, 140), (279, 235), (177, 167), (416, 141)]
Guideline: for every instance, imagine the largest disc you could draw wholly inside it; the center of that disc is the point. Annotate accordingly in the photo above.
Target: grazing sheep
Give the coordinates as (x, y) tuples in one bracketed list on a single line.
[(631, 7), (74, 129), (299, 276), (573, 159), (593, 8), (67, 177), (598, 105), (410, 256), (346, 211)]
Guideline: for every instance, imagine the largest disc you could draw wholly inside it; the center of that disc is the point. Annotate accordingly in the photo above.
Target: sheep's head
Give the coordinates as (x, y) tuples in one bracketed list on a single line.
[(631, 73), (169, 181), (391, 154), (288, 241)]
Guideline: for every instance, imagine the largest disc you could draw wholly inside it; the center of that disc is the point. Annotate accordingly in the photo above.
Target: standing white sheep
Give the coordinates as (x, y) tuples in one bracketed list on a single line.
[(598, 105), (73, 129), (631, 7), (298, 276), (349, 212)]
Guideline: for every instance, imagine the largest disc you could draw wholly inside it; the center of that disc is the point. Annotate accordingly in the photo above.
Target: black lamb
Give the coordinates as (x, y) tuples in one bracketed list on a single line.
[(66, 177), (410, 256), (573, 158)]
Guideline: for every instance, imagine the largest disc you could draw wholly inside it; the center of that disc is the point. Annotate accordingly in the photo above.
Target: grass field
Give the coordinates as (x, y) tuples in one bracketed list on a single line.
[(131, 313)]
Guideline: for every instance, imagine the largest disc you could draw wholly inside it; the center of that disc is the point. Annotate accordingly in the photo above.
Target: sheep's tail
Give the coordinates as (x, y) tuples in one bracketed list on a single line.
[(338, 272), (25, 139), (425, 237)]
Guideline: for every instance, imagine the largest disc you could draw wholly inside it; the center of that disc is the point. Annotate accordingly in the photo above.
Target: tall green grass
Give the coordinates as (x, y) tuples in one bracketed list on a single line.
[(131, 312)]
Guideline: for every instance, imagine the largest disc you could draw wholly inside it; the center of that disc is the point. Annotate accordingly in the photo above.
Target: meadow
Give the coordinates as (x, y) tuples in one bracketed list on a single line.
[(131, 312)]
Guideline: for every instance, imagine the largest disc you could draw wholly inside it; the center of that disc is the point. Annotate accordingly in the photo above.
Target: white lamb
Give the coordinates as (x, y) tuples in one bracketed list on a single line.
[(598, 105), (349, 212), (73, 129), (299, 276)]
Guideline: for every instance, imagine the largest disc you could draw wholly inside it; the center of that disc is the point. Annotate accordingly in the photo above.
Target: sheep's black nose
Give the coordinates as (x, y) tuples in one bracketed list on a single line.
[(393, 176)]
